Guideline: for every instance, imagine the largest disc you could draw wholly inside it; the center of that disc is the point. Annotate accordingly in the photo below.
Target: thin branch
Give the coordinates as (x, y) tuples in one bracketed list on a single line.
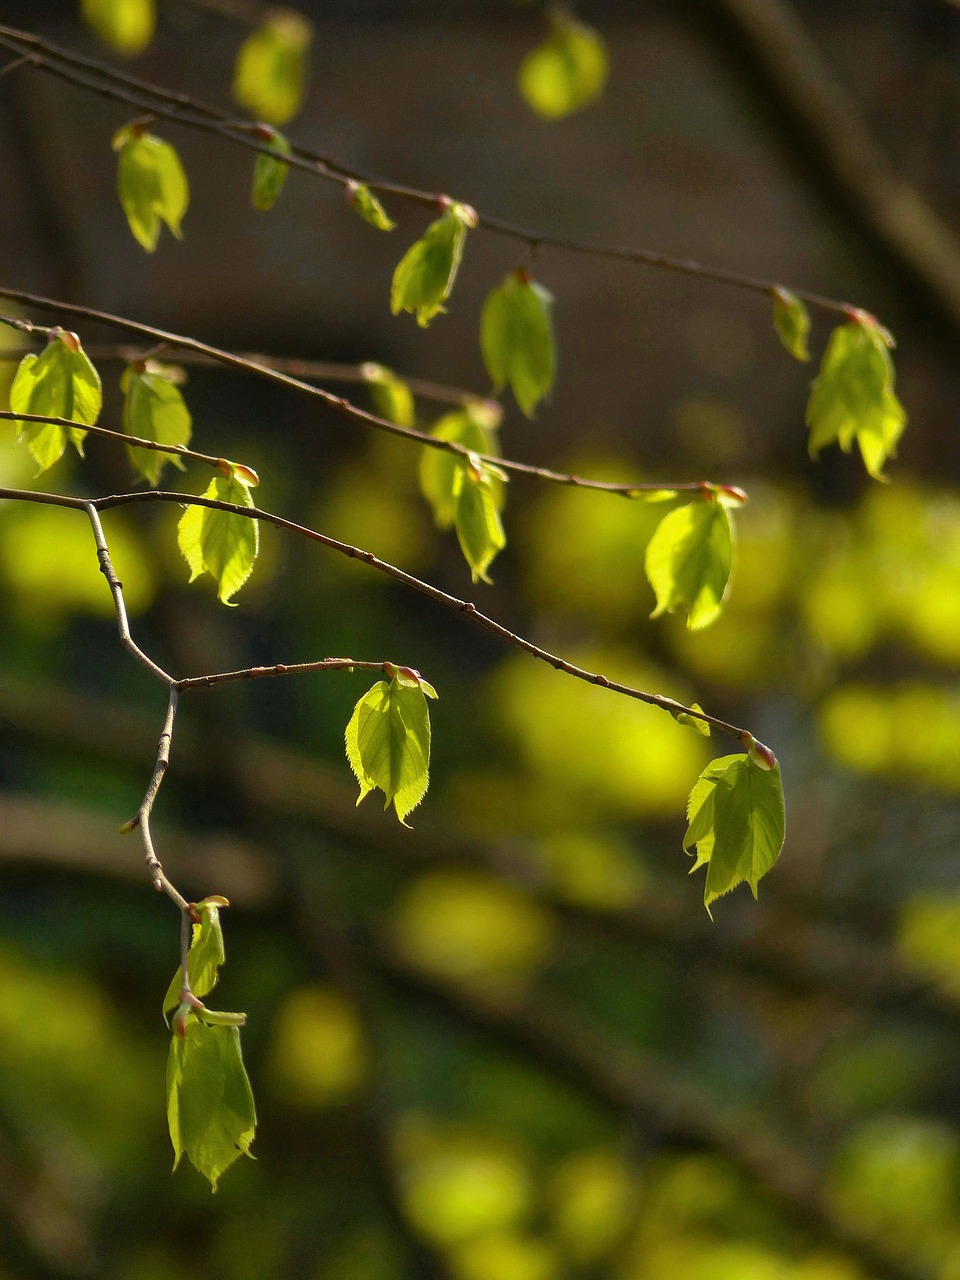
[(279, 669), (183, 343), (189, 112)]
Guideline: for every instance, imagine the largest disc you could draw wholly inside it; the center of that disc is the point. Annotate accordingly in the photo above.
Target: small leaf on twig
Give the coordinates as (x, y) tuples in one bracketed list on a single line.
[(60, 382), (151, 183), (388, 741), (221, 543)]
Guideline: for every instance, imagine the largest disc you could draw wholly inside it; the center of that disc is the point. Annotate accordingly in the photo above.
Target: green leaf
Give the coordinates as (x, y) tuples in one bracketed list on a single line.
[(689, 558), (152, 185), (736, 822), (476, 518), (565, 73), (127, 26), (221, 543), (205, 959), (271, 73), (516, 338), (391, 396), (361, 198), (210, 1109), (792, 322), (693, 722), (852, 398), (269, 172), (475, 428), (388, 742), (153, 409), (425, 274), (60, 382)]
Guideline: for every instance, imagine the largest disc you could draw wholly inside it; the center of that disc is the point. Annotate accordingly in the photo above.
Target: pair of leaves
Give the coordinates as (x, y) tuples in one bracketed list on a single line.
[(852, 398), (210, 1109), (127, 26), (388, 740), (689, 559), (271, 72), (516, 339), (153, 409), (60, 382), (151, 183), (565, 73), (269, 171), (224, 544), (736, 821), (426, 273)]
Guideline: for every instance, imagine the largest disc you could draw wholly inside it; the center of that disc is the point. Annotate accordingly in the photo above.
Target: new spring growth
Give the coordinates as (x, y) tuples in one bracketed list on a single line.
[(757, 752)]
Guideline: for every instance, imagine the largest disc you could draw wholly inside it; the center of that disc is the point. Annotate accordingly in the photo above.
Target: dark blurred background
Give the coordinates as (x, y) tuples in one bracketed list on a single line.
[(508, 1044)]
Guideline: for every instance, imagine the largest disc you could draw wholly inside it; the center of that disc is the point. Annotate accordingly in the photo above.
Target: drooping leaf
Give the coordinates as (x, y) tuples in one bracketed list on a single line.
[(153, 409), (221, 543), (792, 323), (152, 185), (127, 26), (269, 172), (476, 518), (391, 396), (388, 741), (689, 559), (361, 198), (60, 382), (425, 274), (210, 1109), (474, 427), (516, 338), (271, 73), (206, 956), (852, 397), (565, 73), (736, 823), (693, 722)]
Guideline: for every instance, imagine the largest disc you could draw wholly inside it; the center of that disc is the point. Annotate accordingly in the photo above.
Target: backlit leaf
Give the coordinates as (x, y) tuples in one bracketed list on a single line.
[(852, 398), (221, 543), (693, 722), (568, 71), (361, 198), (516, 338), (388, 742), (689, 559), (271, 72), (127, 26), (60, 382), (792, 322), (425, 274), (210, 1108), (475, 428), (391, 396), (152, 185), (153, 409), (269, 172), (206, 956), (476, 518), (736, 823)]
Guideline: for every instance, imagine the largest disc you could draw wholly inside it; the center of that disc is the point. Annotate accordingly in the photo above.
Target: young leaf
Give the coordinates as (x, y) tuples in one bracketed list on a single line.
[(221, 543), (210, 1109), (516, 338), (271, 72), (689, 558), (693, 722), (476, 519), (391, 396), (388, 741), (792, 322), (852, 397), (425, 274), (474, 427), (736, 822), (60, 382), (152, 185), (127, 26), (269, 172), (361, 198), (206, 956), (153, 409), (567, 72)]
